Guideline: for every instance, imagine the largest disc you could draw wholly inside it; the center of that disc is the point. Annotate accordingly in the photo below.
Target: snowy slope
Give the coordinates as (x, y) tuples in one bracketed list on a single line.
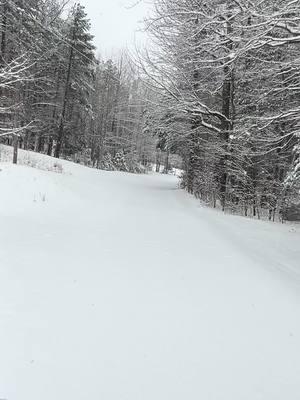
[(116, 286)]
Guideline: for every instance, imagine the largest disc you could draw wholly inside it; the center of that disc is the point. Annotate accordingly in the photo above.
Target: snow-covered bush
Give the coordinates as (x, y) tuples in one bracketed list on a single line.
[(122, 162)]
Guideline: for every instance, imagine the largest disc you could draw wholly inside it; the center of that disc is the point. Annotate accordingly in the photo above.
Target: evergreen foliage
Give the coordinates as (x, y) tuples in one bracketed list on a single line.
[(58, 99)]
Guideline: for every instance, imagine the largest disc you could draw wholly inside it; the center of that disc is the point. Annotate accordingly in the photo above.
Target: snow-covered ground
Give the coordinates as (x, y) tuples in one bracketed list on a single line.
[(116, 286)]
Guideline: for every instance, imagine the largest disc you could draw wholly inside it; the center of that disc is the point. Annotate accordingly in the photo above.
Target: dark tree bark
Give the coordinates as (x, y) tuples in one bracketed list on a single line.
[(227, 111), (15, 148), (60, 135)]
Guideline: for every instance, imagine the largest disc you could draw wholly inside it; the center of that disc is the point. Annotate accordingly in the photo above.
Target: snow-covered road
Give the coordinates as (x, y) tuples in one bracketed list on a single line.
[(115, 286)]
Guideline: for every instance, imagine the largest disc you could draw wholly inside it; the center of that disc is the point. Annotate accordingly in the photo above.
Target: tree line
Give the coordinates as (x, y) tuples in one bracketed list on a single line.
[(58, 98), (226, 74), (218, 86)]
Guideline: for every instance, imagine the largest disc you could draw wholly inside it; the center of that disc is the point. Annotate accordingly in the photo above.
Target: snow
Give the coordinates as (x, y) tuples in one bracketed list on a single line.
[(119, 286)]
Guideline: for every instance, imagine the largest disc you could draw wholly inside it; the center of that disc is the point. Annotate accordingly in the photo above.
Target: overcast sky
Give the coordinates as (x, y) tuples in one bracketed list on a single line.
[(115, 23)]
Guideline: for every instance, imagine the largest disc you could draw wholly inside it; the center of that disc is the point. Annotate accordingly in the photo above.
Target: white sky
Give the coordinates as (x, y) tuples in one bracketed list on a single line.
[(115, 23)]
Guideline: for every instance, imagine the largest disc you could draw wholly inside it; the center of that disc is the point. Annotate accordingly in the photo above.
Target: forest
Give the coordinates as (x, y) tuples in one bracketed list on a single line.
[(227, 80), (216, 84), (60, 98)]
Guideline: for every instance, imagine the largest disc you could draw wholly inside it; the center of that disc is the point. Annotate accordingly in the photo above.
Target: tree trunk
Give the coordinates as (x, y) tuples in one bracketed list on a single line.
[(15, 148), (227, 124), (167, 166), (157, 167), (3, 30), (60, 135)]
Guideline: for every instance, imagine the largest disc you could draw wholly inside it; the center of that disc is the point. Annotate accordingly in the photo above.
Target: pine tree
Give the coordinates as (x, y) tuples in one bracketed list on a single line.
[(80, 64)]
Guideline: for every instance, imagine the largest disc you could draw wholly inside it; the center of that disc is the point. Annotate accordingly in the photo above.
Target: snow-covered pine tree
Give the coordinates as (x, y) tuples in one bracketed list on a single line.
[(79, 69)]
